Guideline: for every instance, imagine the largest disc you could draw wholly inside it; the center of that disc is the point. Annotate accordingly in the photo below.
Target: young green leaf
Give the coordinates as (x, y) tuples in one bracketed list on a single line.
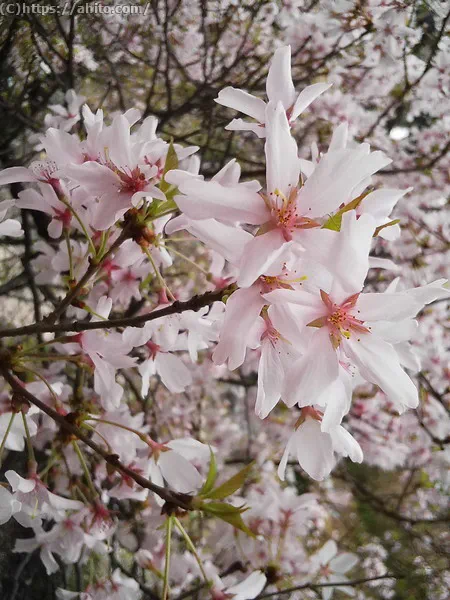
[(171, 163), (381, 227), (228, 513), (236, 520), (335, 221), (220, 508), (231, 485), (211, 477)]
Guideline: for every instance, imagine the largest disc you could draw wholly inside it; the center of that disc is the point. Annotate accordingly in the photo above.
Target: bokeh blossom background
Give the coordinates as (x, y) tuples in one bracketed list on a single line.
[(343, 497)]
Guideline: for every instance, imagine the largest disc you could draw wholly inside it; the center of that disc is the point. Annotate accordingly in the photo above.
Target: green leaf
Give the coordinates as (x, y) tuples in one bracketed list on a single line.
[(231, 485), (236, 520), (212, 475), (171, 163), (162, 208), (381, 227), (335, 221), (228, 513), (222, 508)]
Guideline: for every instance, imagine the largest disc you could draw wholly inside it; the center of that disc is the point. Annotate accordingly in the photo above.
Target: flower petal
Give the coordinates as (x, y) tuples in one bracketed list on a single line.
[(307, 96), (243, 102), (279, 86), (379, 363)]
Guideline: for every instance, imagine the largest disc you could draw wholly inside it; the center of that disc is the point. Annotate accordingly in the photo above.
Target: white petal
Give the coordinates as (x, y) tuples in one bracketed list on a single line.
[(408, 356), (241, 311), (326, 553), (229, 174), (335, 178), (243, 102), (352, 247), (426, 294), (11, 227), (395, 332), (311, 375), (146, 370), (55, 229), (284, 459), (259, 254), (338, 399), (383, 263), (379, 363), (279, 86), (241, 125), (173, 372), (344, 562), (270, 379), (16, 175), (7, 505), (18, 483), (283, 165), (208, 199), (179, 473), (314, 449), (385, 307), (339, 138), (248, 589), (228, 240), (380, 203), (190, 448), (345, 444), (96, 178), (61, 503), (307, 96)]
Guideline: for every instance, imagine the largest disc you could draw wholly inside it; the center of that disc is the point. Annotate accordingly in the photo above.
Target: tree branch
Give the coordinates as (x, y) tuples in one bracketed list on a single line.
[(195, 303), (172, 498)]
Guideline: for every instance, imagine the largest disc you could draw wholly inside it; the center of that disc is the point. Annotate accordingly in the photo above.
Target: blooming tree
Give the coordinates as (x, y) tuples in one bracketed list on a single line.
[(225, 371)]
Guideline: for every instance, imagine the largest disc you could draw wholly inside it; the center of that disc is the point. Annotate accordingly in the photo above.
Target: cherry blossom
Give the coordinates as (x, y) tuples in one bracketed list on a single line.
[(332, 567), (279, 88)]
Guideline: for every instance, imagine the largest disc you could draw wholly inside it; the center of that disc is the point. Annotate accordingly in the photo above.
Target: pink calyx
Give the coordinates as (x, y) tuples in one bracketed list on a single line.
[(153, 348)]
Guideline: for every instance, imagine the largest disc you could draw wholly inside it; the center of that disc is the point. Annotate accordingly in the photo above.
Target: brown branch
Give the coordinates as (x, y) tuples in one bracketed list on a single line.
[(313, 586), (172, 498), (177, 307)]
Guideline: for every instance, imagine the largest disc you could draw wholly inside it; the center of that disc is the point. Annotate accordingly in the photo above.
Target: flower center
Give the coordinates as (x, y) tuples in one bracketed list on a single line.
[(285, 213), (339, 320), (133, 182)]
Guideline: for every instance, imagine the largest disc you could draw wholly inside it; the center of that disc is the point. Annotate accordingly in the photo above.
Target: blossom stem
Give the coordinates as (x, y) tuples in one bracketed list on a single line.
[(130, 429), (69, 253), (48, 466), (52, 357), (82, 225), (192, 548), (108, 445), (31, 458), (85, 468), (49, 387), (160, 278), (191, 262), (5, 437), (169, 524), (94, 266), (103, 242), (62, 338)]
